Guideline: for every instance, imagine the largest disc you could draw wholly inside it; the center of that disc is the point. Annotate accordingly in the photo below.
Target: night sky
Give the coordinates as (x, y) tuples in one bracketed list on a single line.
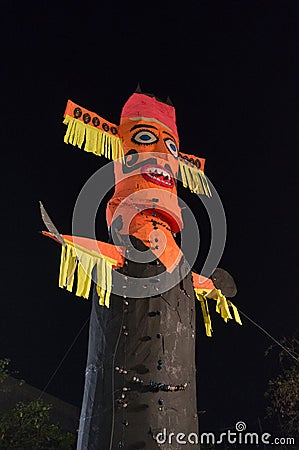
[(229, 68)]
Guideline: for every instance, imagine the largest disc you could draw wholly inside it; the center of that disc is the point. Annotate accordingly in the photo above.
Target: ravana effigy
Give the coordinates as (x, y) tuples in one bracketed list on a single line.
[(141, 375)]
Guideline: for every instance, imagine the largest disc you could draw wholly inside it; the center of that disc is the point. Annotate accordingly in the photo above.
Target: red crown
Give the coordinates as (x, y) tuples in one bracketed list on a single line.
[(141, 105)]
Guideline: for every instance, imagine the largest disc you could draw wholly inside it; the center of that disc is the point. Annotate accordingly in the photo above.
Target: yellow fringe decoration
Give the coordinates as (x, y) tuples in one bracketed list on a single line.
[(77, 259), (235, 311), (206, 316), (194, 179), (222, 307), (92, 139)]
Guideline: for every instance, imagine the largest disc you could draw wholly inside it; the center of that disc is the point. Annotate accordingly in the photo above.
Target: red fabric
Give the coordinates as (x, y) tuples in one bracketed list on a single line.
[(141, 105)]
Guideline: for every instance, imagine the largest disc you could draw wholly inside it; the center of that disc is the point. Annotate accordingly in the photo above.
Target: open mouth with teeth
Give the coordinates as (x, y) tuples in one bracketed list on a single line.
[(158, 175)]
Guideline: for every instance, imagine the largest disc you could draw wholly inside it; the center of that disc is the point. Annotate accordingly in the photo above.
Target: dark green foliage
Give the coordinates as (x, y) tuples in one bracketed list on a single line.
[(28, 426), (283, 391), (4, 372)]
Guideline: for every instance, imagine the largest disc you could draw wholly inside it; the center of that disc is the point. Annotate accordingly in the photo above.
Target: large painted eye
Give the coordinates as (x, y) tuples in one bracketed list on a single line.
[(171, 145), (144, 137)]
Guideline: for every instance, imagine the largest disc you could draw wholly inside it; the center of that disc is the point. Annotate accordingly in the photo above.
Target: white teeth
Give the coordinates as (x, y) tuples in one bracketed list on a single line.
[(158, 172), (154, 171)]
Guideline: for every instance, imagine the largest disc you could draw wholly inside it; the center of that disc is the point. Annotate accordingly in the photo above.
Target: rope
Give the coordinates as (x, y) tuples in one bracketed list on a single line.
[(269, 335), (63, 358)]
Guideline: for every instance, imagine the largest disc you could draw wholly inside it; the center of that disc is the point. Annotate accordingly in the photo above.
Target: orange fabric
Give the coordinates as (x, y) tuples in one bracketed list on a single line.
[(142, 200), (159, 129), (133, 180), (193, 160), (142, 228), (201, 282), (103, 248), (160, 240), (141, 225), (90, 118)]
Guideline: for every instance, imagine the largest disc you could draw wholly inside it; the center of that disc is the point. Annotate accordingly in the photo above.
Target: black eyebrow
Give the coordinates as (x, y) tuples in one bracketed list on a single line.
[(143, 126), (169, 135)]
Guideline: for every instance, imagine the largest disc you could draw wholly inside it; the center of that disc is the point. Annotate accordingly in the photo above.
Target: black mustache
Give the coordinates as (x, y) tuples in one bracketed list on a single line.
[(136, 166)]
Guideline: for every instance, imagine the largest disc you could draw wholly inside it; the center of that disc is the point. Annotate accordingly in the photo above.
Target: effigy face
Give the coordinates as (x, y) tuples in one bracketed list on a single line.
[(140, 139), (146, 175)]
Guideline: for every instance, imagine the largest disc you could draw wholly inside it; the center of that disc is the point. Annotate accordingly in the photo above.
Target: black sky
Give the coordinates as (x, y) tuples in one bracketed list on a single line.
[(229, 68)]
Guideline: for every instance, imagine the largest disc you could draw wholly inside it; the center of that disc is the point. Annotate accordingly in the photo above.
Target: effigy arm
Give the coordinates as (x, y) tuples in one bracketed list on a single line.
[(205, 289), (91, 133), (192, 174), (80, 257)]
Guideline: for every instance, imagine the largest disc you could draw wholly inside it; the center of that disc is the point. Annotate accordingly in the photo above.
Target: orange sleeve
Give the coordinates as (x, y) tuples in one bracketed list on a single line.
[(199, 163), (103, 248), (201, 282)]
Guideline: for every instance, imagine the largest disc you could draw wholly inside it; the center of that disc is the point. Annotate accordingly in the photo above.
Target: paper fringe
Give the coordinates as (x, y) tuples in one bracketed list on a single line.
[(76, 261), (222, 307), (92, 139), (194, 179)]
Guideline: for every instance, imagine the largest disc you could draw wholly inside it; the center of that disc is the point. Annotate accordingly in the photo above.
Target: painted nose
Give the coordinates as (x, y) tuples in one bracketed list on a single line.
[(163, 153)]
